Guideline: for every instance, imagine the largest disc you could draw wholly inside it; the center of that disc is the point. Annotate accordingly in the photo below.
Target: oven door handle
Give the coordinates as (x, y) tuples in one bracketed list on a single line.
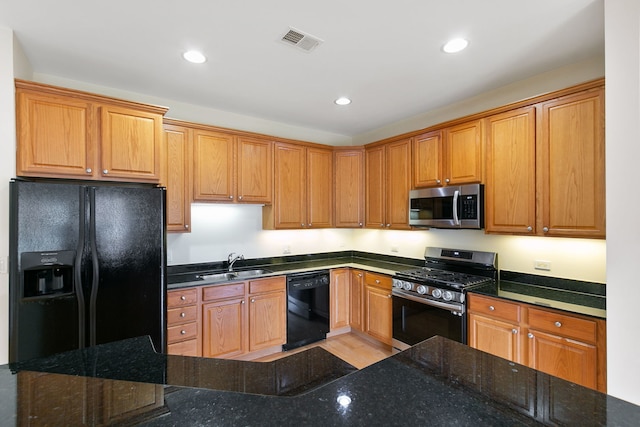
[(458, 308)]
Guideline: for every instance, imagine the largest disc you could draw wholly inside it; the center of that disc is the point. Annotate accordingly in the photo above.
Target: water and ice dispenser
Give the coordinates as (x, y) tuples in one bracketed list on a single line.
[(46, 274)]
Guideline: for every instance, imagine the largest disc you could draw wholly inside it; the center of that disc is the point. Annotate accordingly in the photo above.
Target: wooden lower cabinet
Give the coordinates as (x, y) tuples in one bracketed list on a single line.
[(231, 330), (184, 322), (378, 307), (569, 346), (356, 313), (339, 293)]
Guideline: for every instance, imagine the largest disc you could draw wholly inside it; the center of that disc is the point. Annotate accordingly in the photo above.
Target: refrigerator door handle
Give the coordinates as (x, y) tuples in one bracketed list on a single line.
[(77, 272), (96, 266)]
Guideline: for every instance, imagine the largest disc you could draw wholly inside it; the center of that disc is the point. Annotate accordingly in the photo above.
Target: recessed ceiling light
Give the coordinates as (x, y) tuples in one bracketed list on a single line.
[(455, 45), (194, 56), (343, 100)]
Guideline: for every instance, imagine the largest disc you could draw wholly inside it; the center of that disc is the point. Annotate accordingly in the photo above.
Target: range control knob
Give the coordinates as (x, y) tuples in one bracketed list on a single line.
[(422, 289), (397, 284), (324, 280), (436, 293), (447, 295), (408, 286)]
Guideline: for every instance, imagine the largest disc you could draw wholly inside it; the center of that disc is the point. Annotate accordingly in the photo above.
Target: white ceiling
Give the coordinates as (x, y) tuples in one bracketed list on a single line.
[(385, 55)]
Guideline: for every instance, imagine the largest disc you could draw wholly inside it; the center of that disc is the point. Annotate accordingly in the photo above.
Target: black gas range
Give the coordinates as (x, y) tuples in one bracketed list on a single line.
[(431, 300)]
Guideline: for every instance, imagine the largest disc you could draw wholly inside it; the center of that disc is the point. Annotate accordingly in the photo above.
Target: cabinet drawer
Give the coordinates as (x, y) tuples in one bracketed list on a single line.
[(267, 285), (184, 348), (494, 308), (223, 291), (378, 280), (176, 316), (182, 332), (563, 325), (181, 297)]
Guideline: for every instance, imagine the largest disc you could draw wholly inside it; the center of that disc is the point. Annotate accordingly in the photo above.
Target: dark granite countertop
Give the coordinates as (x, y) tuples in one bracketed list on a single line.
[(436, 382)]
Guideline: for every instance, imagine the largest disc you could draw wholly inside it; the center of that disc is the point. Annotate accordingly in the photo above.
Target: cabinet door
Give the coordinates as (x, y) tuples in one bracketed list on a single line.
[(356, 312), (378, 309), (267, 320), (375, 188), (213, 171), (496, 337), (177, 177), (290, 203), (571, 158), (124, 400), (349, 189), (427, 160), (568, 359), (398, 183), (131, 144), (56, 136), (339, 292), (255, 170), (223, 325), (510, 193), (464, 153), (319, 188)]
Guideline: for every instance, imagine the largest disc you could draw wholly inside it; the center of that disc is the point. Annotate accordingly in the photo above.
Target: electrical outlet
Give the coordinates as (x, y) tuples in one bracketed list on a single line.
[(542, 265)]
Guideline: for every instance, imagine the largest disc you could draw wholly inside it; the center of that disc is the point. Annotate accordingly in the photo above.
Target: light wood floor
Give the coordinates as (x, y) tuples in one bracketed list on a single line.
[(350, 347)]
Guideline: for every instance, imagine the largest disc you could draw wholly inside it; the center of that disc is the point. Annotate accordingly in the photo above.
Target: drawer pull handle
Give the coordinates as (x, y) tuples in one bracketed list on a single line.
[(491, 308), (183, 298), (388, 296), (377, 281), (182, 314), (182, 332), (558, 324)]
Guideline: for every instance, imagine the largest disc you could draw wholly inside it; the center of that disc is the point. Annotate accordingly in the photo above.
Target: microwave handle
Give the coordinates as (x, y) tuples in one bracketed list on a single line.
[(456, 221)]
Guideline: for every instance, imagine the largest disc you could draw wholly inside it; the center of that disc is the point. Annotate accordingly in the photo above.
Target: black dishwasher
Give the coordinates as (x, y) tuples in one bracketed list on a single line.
[(307, 308)]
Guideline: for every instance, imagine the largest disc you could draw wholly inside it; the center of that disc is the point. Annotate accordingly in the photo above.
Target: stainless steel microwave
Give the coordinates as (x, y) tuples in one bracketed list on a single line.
[(459, 206)]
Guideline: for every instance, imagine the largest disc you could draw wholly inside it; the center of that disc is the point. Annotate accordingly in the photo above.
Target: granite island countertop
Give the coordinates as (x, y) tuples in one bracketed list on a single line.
[(436, 382)]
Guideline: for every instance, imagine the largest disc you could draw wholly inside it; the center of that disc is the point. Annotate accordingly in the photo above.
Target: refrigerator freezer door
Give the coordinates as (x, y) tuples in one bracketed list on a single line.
[(43, 218), (128, 234)]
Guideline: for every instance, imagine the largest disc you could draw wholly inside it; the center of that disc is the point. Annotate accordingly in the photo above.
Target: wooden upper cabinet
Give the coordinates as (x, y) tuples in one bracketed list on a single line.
[(177, 177), (255, 170), (375, 187), (571, 163), (62, 133), (427, 161), (319, 188), (510, 191), (349, 188), (303, 181), (463, 164), (387, 185), (213, 170), (131, 143)]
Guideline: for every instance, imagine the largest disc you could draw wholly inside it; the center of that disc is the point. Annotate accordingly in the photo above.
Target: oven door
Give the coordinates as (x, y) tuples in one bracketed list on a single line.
[(416, 319)]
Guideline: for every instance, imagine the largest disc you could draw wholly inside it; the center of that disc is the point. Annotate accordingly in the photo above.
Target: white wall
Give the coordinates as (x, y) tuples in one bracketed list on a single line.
[(7, 171), (622, 45)]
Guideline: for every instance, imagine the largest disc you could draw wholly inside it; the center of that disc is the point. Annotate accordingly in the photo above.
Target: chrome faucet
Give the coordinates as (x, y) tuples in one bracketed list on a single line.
[(231, 259)]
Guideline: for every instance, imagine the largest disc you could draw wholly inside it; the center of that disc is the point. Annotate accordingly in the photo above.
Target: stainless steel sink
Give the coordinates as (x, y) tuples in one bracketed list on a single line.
[(233, 275)]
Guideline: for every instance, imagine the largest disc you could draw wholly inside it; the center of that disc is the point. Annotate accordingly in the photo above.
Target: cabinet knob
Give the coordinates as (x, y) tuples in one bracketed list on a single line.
[(105, 171), (545, 229), (182, 332), (382, 225), (447, 180), (438, 181), (309, 224), (530, 335), (230, 197), (183, 298), (186, 226), (388, 296), (558, 324), (388, 225), (242, 302), (377, 281), (359, 274), (514, 331), (529, 228), (302, 224), (253, 300), (239, 197), (182, 314), (88, 170), (492, 308)]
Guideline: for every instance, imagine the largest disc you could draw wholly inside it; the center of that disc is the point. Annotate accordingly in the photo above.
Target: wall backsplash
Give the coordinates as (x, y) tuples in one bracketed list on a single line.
[(219, 229)]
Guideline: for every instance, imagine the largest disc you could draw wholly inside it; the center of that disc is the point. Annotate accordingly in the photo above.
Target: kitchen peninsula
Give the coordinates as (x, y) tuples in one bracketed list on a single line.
[(435, 382)]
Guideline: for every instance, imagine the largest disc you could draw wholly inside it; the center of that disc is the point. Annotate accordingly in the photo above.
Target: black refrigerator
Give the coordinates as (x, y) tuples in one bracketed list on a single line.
[(87, 266)]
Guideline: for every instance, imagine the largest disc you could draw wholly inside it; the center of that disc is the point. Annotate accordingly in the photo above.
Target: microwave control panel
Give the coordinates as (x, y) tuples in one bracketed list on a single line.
[(469, 207)]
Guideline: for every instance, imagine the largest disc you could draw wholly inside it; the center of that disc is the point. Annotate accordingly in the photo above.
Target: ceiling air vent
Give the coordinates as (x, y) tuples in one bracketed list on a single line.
[(301, 40)]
